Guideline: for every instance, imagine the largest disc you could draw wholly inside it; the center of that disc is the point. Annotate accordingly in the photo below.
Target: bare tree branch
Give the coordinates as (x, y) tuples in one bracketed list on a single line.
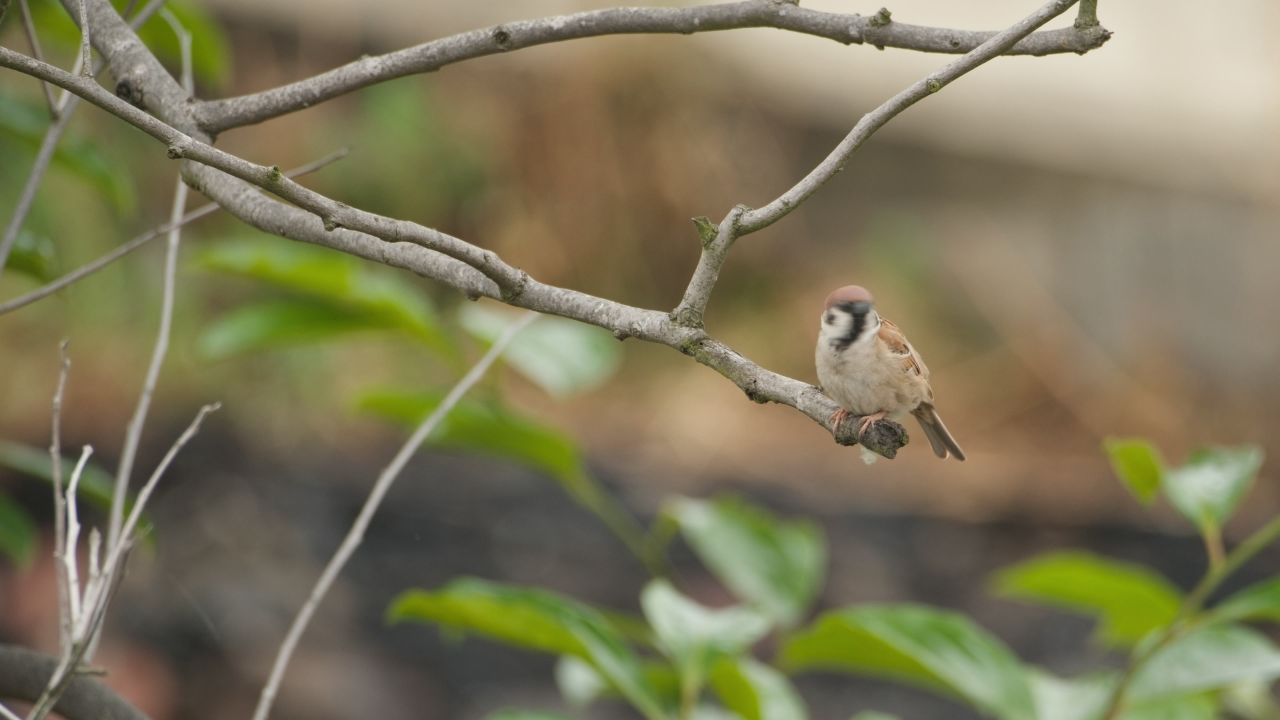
[(742, 221), (218, 115), (380, 487), (59, 507), (24, 674), (125, 248)]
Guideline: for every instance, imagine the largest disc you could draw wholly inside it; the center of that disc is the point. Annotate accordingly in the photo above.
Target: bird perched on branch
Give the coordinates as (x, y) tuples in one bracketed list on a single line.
[(869, 368)]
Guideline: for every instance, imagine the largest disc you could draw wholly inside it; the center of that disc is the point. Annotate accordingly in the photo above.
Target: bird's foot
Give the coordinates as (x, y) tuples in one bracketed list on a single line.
[(868, 421), (838, 417)]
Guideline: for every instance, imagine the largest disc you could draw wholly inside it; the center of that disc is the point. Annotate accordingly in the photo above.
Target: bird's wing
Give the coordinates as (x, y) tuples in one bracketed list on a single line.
[(898, 346)]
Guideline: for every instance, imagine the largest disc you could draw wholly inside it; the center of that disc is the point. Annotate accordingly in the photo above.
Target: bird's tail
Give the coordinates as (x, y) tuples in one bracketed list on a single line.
[(939, 437)]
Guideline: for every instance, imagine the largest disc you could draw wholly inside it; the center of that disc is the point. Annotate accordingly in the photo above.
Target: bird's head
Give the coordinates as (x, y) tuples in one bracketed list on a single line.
[(848, 316)]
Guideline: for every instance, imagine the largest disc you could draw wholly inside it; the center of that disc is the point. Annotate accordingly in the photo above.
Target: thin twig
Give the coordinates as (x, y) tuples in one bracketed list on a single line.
[(219, 115), (742, 221), (70, 558), (33, 39), (1186, 619), (86, 49), (133, 433), (146, 237), (97, 594), (59, 502), (184, 44), (62, 110), (38, 168), (7, 714), (380, 487)]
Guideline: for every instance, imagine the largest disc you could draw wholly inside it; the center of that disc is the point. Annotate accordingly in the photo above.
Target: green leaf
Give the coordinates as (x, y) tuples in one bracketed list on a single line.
[(279, 323), (95, 485), (1256, 602), (350, 291), (1086, 699), (17, 532), (1207, 659), (33, 256), (1209, 486), (937, 650), (756, 691), (561, 356), (1137, 463), (695, 636), (536, 620), (579, 683), (525, 715), (1128, 600), (774, 565), (490, 428), (27, 121)]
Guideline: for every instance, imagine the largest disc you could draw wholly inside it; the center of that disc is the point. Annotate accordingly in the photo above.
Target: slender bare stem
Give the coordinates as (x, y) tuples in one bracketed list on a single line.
[(133, 433), (125, 248), (8, 714), (86, 47), (59, 502), (380, 487), (33, 39)]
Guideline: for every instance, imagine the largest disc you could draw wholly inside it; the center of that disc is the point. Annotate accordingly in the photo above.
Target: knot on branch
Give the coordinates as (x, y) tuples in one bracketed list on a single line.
[(130, 93), (884, 438), (501, 38), (881, 18)]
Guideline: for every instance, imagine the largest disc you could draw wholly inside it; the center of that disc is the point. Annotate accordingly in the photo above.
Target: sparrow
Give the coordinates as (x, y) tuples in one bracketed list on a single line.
[(869, 368)]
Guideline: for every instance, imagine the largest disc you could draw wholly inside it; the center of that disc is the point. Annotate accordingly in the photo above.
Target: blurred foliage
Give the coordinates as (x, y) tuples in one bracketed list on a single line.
[(210, 49), (1186, 662)]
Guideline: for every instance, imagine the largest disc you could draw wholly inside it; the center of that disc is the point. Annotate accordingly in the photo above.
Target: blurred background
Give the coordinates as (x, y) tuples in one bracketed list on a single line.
[(1080, 246)]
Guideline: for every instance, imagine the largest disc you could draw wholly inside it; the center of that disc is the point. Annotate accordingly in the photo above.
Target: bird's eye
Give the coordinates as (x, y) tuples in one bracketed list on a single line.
[(831, 317)]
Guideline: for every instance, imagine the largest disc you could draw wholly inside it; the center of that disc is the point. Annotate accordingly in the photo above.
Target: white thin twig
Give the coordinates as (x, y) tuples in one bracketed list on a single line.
[(133, 433), (59, 502), (356, 534), (70, 561), (8, 714)]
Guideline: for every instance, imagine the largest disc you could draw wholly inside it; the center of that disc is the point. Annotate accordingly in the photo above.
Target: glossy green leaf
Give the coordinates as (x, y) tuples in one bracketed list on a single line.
[(33, 256), (561, 356), (774, 565), (1260, 601), (1087, 698), (341, 289), (579, 683), (756, 691), (1129, 600), (17, 532), (279, 323), (26, 122), (933, 649), (490, 428), (536, 620), (695, 636), (1137, 463), (1209, 486), (1207, 659)]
